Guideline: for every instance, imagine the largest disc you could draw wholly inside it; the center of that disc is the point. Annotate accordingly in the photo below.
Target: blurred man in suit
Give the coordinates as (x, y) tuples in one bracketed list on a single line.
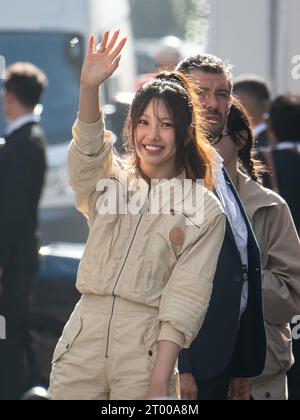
[(255, 95), (22, 170), (283, 160)]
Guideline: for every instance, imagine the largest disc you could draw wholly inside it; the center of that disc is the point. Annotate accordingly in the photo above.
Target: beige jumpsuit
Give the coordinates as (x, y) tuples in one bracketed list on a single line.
[(143, 278), (111, 339)]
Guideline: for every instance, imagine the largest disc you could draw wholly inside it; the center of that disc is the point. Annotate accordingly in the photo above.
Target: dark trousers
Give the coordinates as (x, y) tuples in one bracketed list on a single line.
[(14, 349), (215, 389)]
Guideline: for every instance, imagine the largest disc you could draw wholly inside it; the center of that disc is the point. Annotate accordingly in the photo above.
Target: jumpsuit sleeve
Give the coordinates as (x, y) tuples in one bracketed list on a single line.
[(186, 296), (90, 160)]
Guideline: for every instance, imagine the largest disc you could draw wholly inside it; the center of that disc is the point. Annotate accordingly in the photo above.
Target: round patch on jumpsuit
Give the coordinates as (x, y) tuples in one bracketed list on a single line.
[(176, 236)]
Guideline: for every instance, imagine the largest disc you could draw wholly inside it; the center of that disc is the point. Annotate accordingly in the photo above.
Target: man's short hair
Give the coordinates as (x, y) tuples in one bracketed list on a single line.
[(255, 87), (285, 117), (27, 82), (206, 63)]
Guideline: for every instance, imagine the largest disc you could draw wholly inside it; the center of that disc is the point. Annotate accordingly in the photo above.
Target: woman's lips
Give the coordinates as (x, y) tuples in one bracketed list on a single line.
[(153, 150)]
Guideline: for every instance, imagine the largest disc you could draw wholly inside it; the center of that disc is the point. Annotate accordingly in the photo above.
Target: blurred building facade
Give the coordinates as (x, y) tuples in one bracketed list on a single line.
[(261, 37)]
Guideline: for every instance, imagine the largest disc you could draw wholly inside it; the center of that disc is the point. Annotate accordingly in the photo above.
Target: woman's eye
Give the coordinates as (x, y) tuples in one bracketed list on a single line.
[(142, 122), (167, 125)]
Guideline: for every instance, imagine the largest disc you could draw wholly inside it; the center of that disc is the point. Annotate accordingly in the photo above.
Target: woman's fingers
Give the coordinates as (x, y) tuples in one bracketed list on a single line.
[(103, 48), (116, 63), (112, 42), (91, 44), (118, 49), (104, 41)]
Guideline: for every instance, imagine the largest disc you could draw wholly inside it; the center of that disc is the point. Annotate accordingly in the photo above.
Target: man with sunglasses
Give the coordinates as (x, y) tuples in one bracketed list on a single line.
[(231, 346)]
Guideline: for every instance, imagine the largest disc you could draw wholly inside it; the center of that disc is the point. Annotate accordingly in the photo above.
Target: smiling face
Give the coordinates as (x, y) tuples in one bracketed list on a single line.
[(215, 97), (155, 141)]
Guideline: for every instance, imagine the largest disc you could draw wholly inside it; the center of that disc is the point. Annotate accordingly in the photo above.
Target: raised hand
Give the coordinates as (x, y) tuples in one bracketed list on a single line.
[(101, 62)]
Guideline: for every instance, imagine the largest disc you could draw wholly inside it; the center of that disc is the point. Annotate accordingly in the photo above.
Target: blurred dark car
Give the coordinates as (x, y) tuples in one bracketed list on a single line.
[(53, 300)]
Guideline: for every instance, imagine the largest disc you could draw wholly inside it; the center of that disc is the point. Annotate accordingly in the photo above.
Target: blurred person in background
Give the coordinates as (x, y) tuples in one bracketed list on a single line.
[(22, 170), (283, 161), (283, 176), (231, 347), (166, 57), (168, 54), (280, 247), (255, 94)]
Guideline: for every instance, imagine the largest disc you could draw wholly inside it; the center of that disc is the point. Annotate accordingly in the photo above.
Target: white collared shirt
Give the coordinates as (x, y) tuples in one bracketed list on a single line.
[(235, 218), (19, 122)]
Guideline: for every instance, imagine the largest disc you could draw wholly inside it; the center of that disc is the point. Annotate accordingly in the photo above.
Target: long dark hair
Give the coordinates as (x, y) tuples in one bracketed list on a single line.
[(238, 121), (194, 154)]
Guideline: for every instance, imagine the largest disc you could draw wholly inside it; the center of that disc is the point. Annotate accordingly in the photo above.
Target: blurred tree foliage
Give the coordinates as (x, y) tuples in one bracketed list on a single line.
[(156, 18)]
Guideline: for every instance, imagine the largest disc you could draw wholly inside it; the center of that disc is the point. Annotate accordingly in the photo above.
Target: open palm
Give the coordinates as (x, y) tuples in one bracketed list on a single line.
[(102, 62)]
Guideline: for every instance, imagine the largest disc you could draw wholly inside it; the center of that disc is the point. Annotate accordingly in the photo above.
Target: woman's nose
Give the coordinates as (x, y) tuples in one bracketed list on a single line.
[(153, 132)]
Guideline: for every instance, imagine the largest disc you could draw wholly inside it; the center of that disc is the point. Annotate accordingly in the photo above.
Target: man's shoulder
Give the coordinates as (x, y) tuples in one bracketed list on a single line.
[(37, 134), (28, 142), (30, 136)]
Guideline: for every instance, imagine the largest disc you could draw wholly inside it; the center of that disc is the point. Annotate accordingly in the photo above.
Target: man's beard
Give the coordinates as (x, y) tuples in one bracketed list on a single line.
[(215, 131), (215, 123)]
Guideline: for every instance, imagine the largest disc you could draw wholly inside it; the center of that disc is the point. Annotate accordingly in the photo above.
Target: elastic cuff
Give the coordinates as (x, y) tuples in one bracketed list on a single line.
[(90, 129), (169, 333)]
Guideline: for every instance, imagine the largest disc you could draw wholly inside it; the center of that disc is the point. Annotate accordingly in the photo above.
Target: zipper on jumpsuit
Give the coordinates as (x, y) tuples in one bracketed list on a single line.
[(117, 281)]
